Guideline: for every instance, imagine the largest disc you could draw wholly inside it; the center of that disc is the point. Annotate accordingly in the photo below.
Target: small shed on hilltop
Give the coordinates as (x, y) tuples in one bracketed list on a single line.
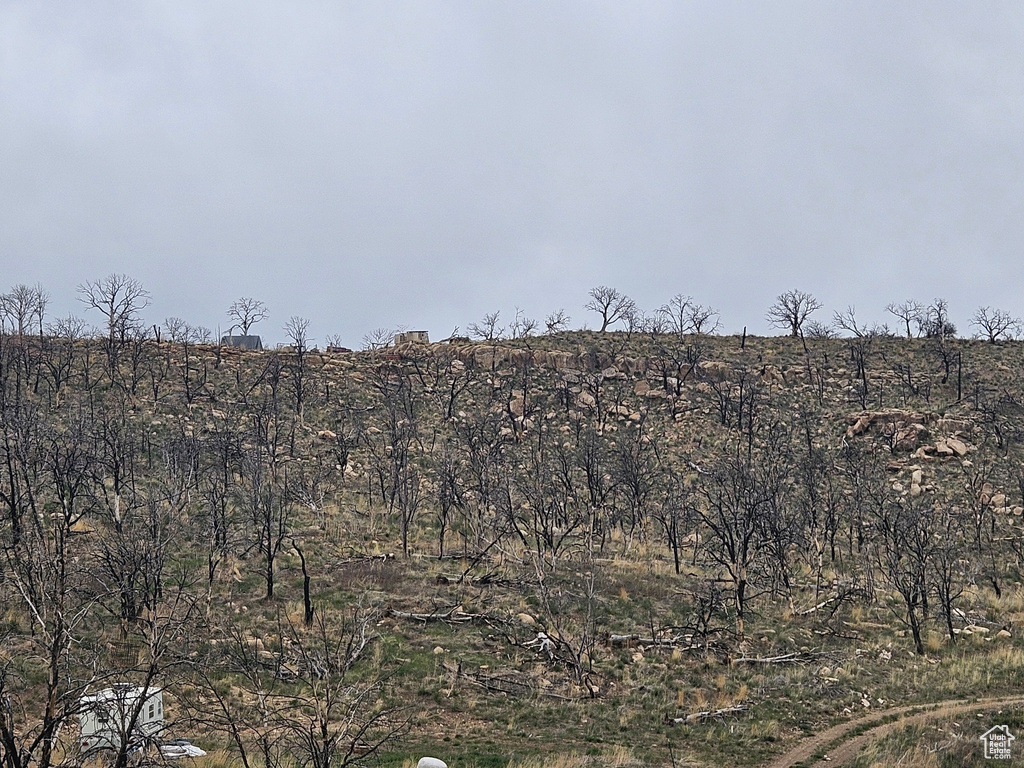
[(412, 337), (242, 342)]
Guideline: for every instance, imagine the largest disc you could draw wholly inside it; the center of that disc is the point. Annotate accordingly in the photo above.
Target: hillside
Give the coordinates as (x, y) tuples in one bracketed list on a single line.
[(608, 549)]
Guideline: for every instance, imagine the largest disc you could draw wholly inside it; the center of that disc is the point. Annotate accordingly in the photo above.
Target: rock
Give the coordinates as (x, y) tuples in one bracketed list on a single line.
[(915, 489), (1003, 633), (898, 487), (859, 426), (82, 526), (641, 388), (771, 374), (326, 434), (907, 439), (526, 620), (998, 500), (586, 399), (957, 446), (714, 370), (917, 477), (942, 448), (438, 650)]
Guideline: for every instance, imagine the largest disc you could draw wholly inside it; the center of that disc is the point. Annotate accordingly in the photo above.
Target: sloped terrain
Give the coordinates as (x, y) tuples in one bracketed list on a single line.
[(587, 548)]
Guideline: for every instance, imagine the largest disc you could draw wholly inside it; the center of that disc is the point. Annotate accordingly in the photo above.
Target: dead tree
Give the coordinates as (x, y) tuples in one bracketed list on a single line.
[(611, 305), (246, 312), (791, 310), (996, 324), (908, 312)]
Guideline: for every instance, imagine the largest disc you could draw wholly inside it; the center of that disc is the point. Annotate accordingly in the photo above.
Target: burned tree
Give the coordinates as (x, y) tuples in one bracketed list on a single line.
[(791, 310)]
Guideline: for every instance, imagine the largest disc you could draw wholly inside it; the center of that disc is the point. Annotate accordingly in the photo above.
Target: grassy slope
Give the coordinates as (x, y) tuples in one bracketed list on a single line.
[(477, 694)]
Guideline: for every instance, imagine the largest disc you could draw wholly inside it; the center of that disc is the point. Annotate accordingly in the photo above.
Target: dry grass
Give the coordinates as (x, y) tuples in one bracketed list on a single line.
[(617, 756)]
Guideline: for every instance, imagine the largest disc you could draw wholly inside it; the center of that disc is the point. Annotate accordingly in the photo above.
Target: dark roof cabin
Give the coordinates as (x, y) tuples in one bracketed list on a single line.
[(242, 342)]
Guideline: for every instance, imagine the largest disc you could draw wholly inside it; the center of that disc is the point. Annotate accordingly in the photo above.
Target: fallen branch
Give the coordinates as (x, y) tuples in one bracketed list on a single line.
[(455, 615), (819, 606), (631, 641), (786, 658), (699, 717)]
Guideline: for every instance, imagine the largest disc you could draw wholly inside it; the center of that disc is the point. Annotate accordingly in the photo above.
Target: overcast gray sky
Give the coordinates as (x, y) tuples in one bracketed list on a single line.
[(422, 163)]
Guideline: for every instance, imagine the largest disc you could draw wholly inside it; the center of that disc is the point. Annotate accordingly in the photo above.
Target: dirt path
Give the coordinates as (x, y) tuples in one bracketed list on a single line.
[(877, 725)]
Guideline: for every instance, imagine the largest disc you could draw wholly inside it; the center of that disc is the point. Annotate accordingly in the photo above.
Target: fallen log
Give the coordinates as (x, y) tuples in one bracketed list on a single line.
[(818, 607), (455, 615), (786, 658), (699, 717), (630, 641)]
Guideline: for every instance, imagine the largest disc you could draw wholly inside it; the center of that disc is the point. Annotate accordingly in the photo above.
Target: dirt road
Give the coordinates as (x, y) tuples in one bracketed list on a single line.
[(840, 750)]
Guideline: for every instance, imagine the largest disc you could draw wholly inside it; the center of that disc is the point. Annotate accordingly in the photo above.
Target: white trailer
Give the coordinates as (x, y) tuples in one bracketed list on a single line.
[(105, 717)]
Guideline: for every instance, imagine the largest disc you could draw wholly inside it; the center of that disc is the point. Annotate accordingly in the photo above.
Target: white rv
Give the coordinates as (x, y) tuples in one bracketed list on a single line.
[(105, 717)]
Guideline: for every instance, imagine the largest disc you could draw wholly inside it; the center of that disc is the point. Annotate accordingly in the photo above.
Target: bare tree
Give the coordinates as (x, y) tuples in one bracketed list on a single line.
[(303, 703), (378, 338), (40, 683), (297, 329), (791, 309), (269, 509), (847, 321), (522, 327), (120, 299), (995, 324), (816, 330), (246, 312), (636, 321), (738, 501), (488, 328), (907, 545), (704, 319), (64, 336), (934, 322), (684, 316), (556, 322), (906, 312), (610, 304), (180, 332), (23, 307), (675, 313)]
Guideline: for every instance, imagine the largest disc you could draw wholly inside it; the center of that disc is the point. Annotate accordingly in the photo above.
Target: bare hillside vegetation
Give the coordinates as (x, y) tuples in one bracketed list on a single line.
[(580, 549)]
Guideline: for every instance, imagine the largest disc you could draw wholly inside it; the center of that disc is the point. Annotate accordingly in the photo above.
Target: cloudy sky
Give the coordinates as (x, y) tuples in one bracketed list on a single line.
[(421, 163)]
